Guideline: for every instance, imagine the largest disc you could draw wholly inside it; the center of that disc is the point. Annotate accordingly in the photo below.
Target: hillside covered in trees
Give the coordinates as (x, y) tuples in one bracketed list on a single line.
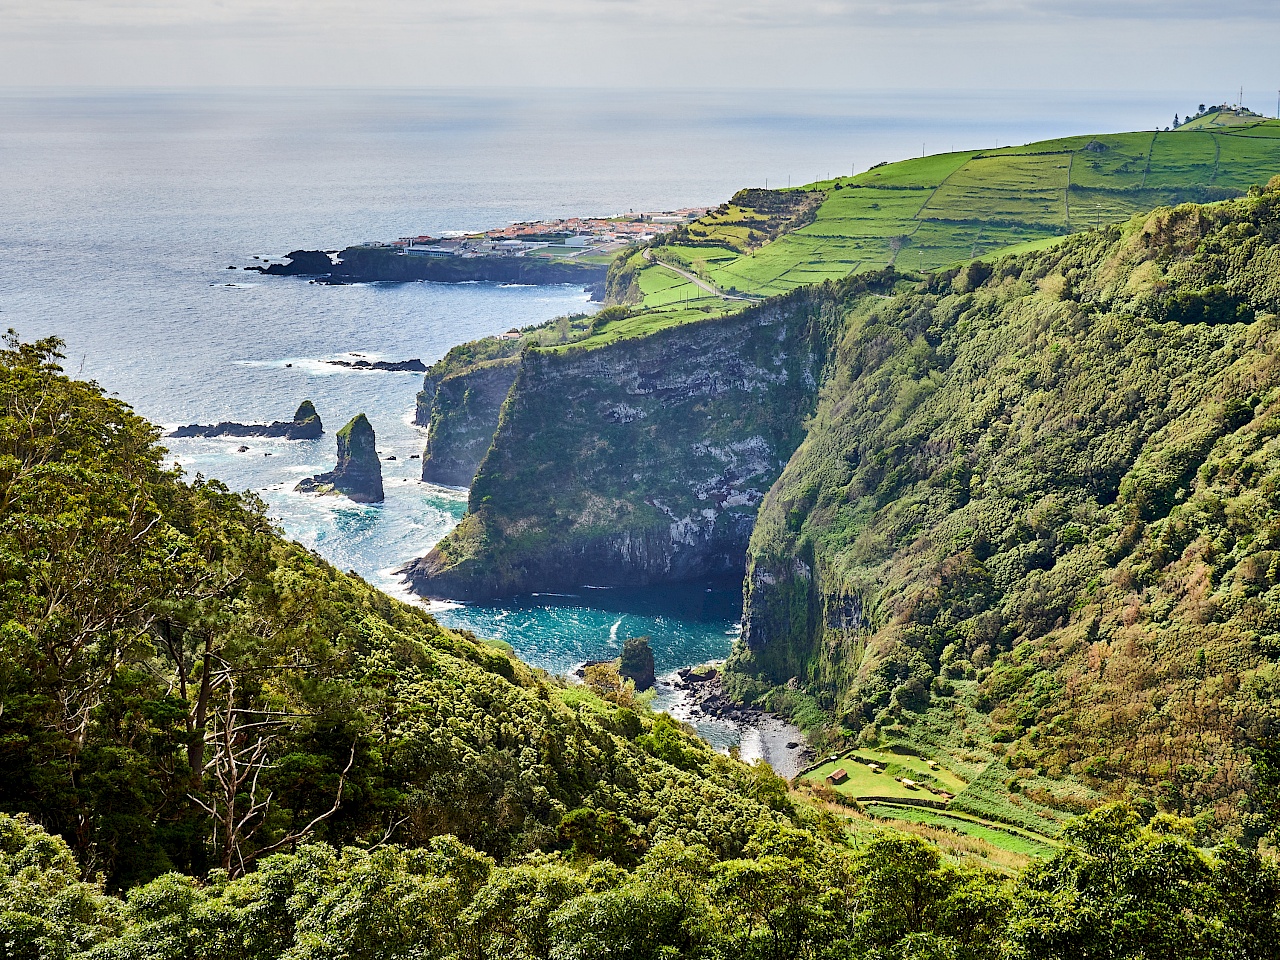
[(1013, 518), (184, 689), (215, 745), (1032, 528)]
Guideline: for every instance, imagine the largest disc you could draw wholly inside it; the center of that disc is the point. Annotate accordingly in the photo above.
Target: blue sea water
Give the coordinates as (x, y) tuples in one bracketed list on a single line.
[(120, 213)]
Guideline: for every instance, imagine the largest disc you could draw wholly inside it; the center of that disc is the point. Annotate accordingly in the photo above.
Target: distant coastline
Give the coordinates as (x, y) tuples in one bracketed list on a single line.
[(577, 250), (373, 264)]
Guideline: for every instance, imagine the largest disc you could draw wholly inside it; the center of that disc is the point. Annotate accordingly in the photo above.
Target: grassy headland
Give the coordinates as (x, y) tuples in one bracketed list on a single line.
[(938, 211)]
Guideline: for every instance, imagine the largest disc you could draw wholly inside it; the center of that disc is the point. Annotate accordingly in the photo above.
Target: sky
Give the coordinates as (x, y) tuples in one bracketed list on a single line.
[(1201, 48)]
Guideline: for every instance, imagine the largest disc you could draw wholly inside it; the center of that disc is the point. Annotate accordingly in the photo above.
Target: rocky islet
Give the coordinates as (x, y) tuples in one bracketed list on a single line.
[(358, 472), (305, 425)]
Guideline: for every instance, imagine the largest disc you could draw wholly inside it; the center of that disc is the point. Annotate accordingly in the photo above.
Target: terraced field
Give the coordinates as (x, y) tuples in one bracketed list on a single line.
[(1005, 838), (933, 212), (939, 797)]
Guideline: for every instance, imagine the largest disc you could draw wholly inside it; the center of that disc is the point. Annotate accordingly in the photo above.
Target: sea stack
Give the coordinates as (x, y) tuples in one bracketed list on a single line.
[(358, 474), (636, 663), (305, 425)]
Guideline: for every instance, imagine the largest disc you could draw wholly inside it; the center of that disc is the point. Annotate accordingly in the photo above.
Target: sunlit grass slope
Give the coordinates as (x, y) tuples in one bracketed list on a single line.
[(934, 212)]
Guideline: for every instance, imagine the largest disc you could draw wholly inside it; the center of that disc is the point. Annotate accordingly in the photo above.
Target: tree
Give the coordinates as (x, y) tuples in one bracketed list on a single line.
[(605, 680), (634, 922), (46, 910), (1121, 889), (510, 916)]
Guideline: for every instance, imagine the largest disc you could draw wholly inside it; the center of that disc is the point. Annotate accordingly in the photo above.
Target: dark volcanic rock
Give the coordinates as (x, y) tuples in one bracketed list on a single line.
[(303, 263), (636, 664), (371, 264), (389, 366), (358, 473), (305, 425)]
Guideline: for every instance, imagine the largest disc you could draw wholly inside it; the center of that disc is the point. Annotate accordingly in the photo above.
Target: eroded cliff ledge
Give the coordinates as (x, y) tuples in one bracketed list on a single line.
[(641, 460)]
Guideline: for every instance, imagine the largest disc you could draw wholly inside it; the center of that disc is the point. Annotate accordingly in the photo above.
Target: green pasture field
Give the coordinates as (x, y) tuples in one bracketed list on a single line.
[(1225, 118), (863, 783), (664, 288), (911, 765), (651, 321), (933, 212), (989, 804), (1012, 840)]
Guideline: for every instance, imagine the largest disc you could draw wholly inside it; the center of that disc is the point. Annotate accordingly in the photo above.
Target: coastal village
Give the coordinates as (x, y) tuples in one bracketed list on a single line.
[(574, 237)]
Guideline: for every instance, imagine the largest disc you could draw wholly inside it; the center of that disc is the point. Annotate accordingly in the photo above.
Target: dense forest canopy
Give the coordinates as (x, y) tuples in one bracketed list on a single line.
[(215, 745), (1120, 890), (185, 689)]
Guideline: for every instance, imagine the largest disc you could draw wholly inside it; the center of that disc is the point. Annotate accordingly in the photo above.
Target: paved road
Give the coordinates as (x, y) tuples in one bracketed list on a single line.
[(710, 288)]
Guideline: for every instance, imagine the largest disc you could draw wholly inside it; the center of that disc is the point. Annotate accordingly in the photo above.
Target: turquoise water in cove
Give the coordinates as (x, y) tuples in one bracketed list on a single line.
[(120, 213), (686, 623)]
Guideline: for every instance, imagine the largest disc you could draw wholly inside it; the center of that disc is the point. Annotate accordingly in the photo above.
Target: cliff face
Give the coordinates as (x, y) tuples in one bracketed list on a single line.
[(461, 411), (639, 461), (358, 473)]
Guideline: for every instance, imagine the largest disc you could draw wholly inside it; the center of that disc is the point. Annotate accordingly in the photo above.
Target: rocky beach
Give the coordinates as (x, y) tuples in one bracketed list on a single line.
[(695, 696)]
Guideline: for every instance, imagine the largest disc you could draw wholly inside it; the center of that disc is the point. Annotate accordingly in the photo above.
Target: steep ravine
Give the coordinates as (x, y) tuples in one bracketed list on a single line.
[(639, 461)]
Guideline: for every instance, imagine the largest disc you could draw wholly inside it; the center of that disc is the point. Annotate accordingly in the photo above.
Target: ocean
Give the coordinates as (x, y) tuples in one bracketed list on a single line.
[(120, 213)]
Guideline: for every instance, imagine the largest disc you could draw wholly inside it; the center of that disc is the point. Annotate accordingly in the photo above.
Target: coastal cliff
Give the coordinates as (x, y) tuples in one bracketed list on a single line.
[(461, 411), (1036, 509), (638, 461)]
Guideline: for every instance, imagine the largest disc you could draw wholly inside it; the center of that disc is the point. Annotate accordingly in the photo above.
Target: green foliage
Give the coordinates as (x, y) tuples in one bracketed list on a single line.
[(1122, 891), (46, 910), (1036, 497), (606, 316), (664, 741), (1213, 304), (621, 283), (184, 689), (636, 662), (1118, 889)]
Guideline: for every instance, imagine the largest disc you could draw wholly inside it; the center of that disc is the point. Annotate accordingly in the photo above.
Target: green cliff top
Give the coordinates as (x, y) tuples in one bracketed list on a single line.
[(916, 215), (358, 426), (934, 212)]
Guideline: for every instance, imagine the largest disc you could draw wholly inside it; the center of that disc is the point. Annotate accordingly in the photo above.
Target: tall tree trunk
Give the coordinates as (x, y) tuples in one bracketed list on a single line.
[(199, 716)]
